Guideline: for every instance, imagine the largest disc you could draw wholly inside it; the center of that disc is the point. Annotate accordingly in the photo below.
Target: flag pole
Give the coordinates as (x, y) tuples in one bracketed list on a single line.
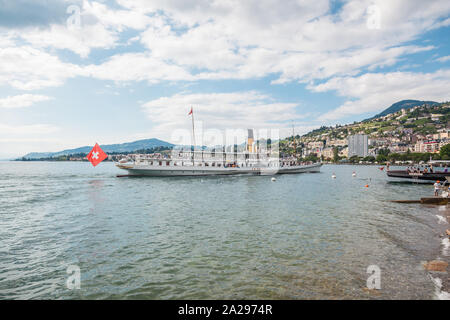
[(193, 135)]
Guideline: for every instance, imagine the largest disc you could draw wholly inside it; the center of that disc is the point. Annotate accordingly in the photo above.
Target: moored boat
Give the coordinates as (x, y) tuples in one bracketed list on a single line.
[(430, 173)]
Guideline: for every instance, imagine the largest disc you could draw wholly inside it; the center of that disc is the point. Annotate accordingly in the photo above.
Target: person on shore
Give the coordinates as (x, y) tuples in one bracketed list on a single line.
[(437, 186)]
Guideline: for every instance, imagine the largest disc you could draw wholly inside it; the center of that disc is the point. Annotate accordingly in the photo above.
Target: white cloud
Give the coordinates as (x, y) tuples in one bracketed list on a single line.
[(24, 100), (99, 28), (373, 92), (117, 19), (137, 67), (28, 68), (188, 49), (298, 40), (33, 130), (191, 40), (79, 40), (6, 40), (218, 111), (443, 59), (331, 64)]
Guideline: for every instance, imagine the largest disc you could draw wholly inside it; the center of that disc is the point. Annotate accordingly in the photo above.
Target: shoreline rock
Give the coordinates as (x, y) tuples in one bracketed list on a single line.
[(436, 265)]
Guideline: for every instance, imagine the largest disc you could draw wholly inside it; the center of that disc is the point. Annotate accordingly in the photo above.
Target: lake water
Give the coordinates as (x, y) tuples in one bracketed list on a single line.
[(305, 236)]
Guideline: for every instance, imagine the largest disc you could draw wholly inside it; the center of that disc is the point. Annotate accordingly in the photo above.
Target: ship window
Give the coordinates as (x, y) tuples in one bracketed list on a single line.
[(213, 164), (160, 163), (167, 163)]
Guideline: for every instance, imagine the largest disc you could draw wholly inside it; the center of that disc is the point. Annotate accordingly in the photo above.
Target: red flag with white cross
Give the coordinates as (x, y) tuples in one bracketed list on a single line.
[(96, 155)]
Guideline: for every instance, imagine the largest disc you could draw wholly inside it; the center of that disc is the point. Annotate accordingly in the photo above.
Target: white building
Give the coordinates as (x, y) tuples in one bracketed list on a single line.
[(358, 145)]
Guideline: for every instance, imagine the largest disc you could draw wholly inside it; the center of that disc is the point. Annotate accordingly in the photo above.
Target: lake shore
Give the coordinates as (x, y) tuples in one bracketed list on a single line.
[(444, 256)]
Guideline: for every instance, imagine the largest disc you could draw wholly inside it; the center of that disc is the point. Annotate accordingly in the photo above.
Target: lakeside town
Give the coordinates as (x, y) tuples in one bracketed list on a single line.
[(408, 135)]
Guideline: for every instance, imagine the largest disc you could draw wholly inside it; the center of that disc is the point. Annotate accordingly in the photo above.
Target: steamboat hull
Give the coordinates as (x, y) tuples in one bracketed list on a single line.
[(173, 171)]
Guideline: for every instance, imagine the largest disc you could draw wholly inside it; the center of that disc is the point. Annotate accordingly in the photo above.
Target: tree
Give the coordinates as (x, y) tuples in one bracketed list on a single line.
[(354, 159), (312, 157), (381, 158), (369, 159), (384, 151), (445, 151), (335, 154)]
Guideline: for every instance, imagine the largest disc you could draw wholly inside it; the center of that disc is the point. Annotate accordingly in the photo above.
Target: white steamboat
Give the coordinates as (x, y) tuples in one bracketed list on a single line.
[(206, 163)]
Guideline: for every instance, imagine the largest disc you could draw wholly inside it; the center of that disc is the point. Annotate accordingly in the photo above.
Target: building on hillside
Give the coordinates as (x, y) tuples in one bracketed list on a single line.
[(343, 152), (399, 148), (327, 153), (435, 117), (442, 134), (315, 144), (426, 147), (337, 143), (358, 145)]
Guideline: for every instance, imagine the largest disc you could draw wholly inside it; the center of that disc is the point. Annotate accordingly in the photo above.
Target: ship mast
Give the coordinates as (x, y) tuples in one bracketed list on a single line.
[(293, 141), (193, 135)]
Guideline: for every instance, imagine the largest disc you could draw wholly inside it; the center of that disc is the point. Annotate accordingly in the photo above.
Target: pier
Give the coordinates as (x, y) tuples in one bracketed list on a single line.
[(426, 200)]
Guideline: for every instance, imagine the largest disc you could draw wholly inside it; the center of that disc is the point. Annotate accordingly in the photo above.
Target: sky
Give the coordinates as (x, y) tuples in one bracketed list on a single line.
[(77, 72)]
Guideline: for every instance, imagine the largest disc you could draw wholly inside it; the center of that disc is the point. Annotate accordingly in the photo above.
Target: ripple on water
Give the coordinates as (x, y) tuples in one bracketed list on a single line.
[(304, 237)]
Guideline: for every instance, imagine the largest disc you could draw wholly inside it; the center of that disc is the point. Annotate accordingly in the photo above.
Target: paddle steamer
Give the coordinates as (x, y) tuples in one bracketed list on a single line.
[(212, 163)]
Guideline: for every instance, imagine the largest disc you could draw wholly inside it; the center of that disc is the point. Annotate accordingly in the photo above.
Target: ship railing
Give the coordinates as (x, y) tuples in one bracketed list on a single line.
[(157, 162)]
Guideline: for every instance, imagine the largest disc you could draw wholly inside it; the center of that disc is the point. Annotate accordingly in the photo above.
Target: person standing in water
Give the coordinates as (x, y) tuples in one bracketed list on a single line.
[(437, 186)]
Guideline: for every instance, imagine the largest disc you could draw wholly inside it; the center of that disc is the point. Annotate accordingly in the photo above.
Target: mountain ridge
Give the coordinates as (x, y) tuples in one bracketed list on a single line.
[(402, 104), (117, 147)]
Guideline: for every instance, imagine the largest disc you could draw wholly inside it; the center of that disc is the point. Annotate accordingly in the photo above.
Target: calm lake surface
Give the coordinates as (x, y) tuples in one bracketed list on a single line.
[(305, 236)]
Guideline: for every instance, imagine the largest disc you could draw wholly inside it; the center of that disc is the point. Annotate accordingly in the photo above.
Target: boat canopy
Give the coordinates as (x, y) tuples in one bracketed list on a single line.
[(439, 161)]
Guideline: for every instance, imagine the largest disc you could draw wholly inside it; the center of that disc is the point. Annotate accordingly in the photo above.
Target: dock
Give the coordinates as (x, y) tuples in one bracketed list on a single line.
[(427, 200)]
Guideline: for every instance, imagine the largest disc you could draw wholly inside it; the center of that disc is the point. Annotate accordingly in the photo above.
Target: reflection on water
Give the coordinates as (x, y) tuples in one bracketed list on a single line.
[(305, 236)]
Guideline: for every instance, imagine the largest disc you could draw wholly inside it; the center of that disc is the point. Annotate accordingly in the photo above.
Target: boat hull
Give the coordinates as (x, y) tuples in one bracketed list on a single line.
[(174, 171), (403, 175)]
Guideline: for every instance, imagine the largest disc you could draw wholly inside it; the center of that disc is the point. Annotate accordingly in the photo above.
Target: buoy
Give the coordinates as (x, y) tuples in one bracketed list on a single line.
[(366, 185), (273, 179), (354, 174), (333, 176)]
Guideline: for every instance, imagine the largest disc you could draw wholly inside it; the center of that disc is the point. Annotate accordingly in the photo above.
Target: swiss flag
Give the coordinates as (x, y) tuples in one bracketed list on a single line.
[(96, 155), (190, 112)]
